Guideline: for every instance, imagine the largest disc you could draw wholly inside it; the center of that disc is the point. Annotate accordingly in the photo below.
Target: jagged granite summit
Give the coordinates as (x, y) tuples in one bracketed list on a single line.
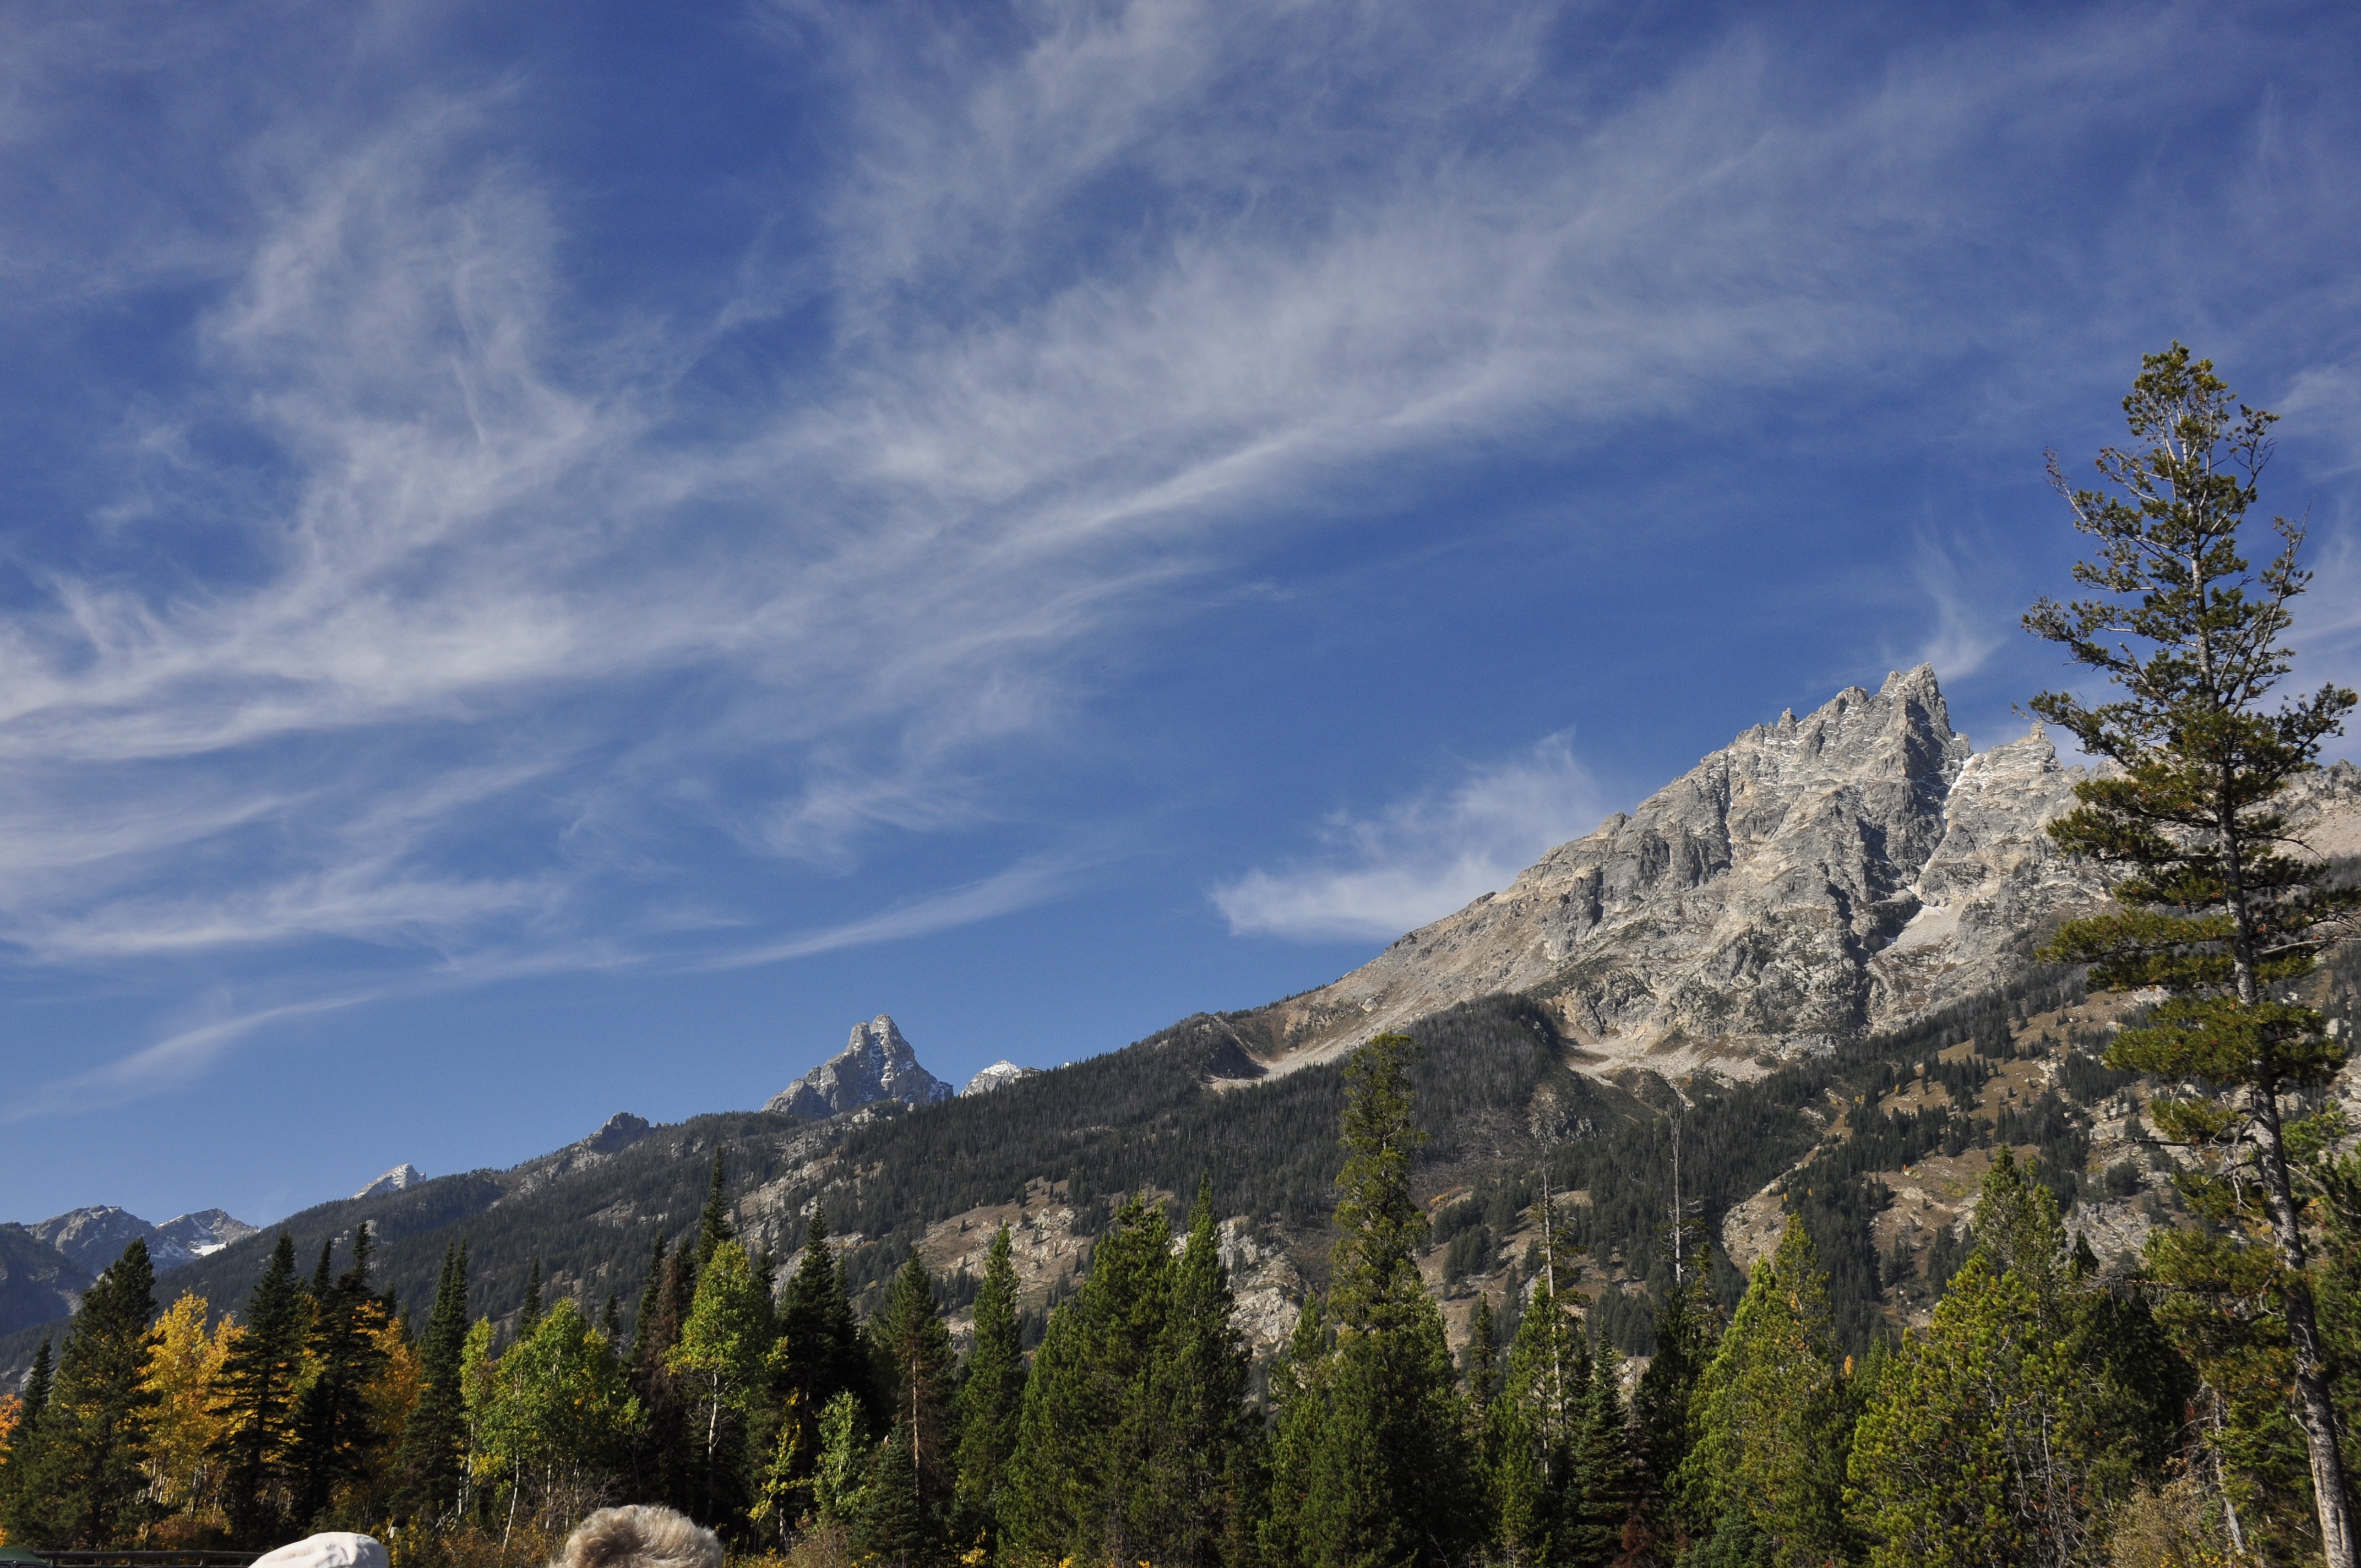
[(401, 1179), (999, 1075), (1815, 879), (877, 1064), (95, 1237)]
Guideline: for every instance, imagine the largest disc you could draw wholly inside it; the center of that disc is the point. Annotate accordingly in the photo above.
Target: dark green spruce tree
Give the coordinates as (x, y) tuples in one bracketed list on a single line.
[(1204, 1503), (24, 1445), (912, 1486), (1370, 1463), (991, 1399), (335, 1430), (435, 1439), (824, 1357), (87, 1487), (1079, 1484), (529, 1315), (713, 1226), (2218, 902), (255, 1400)]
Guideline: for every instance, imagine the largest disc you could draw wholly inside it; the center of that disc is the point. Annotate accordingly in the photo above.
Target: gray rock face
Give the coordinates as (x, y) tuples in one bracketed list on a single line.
[(999, 1075), (93, 1237), (37, 1283), (877, 1064), (204, 1232), (401, 1179), (1814, 879)]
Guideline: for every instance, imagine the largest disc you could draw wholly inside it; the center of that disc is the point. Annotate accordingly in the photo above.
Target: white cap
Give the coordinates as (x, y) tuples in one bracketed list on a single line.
[(336, 1548)]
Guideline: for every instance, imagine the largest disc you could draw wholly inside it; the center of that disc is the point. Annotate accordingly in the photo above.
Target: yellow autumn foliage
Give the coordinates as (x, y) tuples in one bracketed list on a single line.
[(181, 1368)]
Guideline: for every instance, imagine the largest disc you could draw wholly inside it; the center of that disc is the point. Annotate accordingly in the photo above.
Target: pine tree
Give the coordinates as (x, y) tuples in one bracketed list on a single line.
[(529, 1314), (256, 1399), (1483, 1359), (1088, 1434), (1772, 1420), (1202, 1505), (434, 1441), (991, 1395), (1659, 1405), (713, 1226), (1601, 1498), (2220, 907), (336, 1435), (23, 1458), (86, 1487), (918, 1377), (1370, 1463), (816, 1323), (661, 1455), (1531, 1435)]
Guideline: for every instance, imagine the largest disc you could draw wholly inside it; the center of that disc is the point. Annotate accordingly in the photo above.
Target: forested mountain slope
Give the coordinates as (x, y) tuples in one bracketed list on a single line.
[(1811, 951)]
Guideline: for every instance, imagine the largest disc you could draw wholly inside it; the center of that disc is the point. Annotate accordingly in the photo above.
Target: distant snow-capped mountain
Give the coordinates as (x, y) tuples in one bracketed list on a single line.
[(93, 1237)]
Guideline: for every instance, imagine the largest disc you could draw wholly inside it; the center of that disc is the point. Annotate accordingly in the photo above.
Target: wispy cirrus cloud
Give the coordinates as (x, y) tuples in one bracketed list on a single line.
[(444, 603), (1422, 857)]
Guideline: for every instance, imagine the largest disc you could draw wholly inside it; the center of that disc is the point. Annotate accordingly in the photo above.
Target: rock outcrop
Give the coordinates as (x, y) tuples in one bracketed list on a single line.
[(999, 1075), (1815, 878), (401, 1179), (877, 1064), (93, 1237)]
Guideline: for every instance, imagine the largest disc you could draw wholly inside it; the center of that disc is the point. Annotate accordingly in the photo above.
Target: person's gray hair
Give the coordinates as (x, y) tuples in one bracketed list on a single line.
[(641, 1536)]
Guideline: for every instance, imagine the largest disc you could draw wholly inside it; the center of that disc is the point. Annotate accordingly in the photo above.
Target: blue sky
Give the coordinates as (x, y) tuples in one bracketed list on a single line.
[(555, 558)]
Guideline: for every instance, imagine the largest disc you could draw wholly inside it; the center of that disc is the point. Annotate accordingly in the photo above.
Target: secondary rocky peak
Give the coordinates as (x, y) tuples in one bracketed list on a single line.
[(95, 1237), (877, 1064), (999, 1075), (619, 1131), (399, 1179)]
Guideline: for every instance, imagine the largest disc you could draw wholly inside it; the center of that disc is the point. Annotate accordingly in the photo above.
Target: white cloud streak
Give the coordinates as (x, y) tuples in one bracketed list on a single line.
[(1422, 857), (517, 605)]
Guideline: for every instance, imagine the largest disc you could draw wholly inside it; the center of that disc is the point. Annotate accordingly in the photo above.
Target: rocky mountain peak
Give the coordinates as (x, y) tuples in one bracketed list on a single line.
[(401, 1178), (1812, 879), (877, 1064), (999, 1075), (95, 1237)]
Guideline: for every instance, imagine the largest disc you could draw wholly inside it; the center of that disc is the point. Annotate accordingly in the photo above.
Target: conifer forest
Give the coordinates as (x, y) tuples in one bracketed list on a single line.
[(1628, 1393)]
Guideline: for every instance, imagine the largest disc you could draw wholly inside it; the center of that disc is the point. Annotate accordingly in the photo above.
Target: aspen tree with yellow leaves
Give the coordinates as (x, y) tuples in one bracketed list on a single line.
[(184, 1468)]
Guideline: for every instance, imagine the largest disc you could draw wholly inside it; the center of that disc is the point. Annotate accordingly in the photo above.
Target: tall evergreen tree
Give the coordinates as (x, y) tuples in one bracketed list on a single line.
[(713, 1226), (1370, 1464), (1599, 1506), (911, 1493), (1660, 1404), (1533, 1431), (529, 1315), (1203, 1501), (1087, 1436), (816, 1319), (661, 1455), (1773, 1421), (38, 1383), (23, 1458), (1483, 1359), (435, 1439), (2219, 905), (991, 1395), (336, 1431), (256, 1399), (86, 1487)]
